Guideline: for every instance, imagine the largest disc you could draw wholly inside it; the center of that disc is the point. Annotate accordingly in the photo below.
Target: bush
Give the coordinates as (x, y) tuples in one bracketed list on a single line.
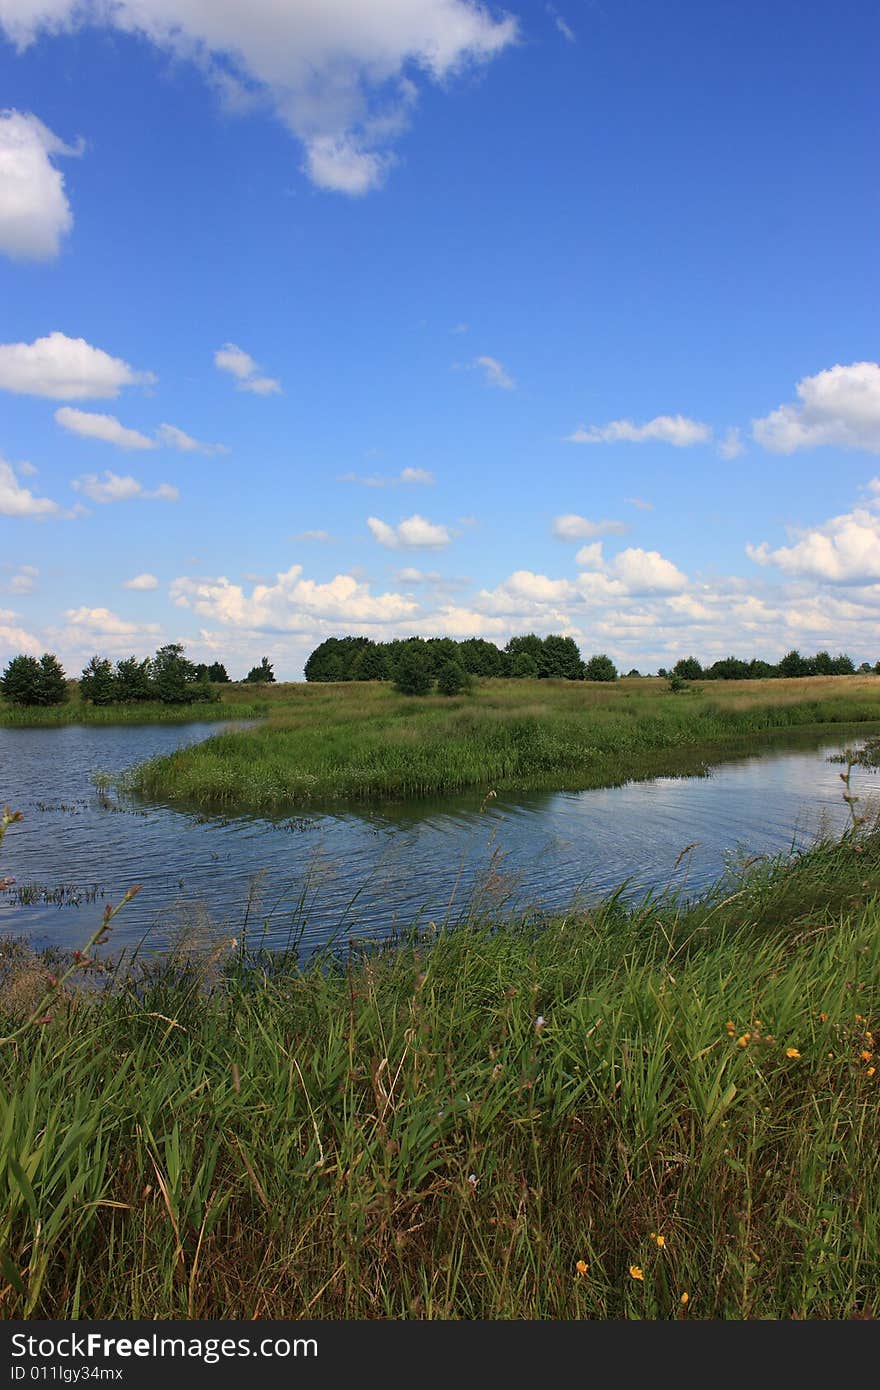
[(600, 668), (261, 673), (452, 679), (97, 684), (412, 674)]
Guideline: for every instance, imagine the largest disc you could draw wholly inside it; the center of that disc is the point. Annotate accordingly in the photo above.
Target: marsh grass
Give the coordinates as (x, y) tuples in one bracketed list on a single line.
[(499, 1121), (356, 742), (78, 712)]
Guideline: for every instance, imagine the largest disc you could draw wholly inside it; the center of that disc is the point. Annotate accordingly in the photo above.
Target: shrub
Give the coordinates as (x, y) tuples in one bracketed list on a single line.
[(600, 668), (452, 678)]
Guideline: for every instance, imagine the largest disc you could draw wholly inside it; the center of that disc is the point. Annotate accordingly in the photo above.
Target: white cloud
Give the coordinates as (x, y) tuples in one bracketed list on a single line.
[(495, 373), (291, 604), (246, 371), (173, 438), (313, 536), (415, 533), (65, 369), (24, 580), (564, 28), (840, 406), (16, 500), (105, 427), (15, 639), (339, 73), (142, 581), (104, 623), (640, 504), (406, 475), (665, 429), (113, 488), (34, 211), (846, 550), (731, 446), (646, 572), (590, 556), (571, 527)]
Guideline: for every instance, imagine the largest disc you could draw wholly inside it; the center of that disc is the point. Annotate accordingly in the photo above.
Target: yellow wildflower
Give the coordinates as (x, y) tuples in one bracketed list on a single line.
[(744, 1040), (660, 1240), (792, 1052), (637, 1273), (870, 1071), (685, 1298), (582, 1267), (866, 1056)]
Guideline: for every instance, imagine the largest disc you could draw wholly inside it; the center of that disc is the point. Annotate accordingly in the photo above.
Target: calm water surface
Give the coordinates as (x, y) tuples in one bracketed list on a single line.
[(362, 872)]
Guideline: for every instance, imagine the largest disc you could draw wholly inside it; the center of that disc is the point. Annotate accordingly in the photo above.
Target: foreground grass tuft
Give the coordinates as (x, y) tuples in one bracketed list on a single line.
[(664, 1111)]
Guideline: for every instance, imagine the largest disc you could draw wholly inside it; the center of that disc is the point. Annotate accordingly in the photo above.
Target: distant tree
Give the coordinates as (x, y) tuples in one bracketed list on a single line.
[(729, 668), (823, 664), (134, 681), (453, 679), (261, 673), (600, 668), (843, 665), (481, 658), (793, 664), (531, 643), (370, 663), (97, 684), (174, 676), (412, 673), (20, 682), (662, 671), (560, 658), (524, 666), (53, 682), (634, 672), (760, 670), (865, 668), (689, 669), (218, 674)]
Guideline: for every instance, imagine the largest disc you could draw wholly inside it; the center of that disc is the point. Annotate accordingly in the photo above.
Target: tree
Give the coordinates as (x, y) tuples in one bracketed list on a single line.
[(524, 666), (261, 673), (412, 673), (481, 658), (452, 678), (843, 665), (689, 669), (134, 681), (793, 664), (27, 681), (633, 672), (218, 674), (174, 676), (20, 681), (370, 663), (560, 658), (600, 668), (97, 684)]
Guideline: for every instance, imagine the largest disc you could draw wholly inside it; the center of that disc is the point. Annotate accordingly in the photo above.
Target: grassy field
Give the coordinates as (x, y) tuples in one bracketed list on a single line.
[(322, 743), (664, 1112)]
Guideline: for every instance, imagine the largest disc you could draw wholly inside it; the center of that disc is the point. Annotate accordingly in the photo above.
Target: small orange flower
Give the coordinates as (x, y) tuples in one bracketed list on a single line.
[(792, 1052), (660, 1240), (823, 1018), (866, 1056), (870, 1071), (731, 1027), (637, 1272), (685, 1298), (744, 1040), (582, 1267)]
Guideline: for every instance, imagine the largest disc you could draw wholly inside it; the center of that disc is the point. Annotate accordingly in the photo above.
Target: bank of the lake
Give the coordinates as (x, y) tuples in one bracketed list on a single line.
[(364, 742), (657, 1111), (76, 711)]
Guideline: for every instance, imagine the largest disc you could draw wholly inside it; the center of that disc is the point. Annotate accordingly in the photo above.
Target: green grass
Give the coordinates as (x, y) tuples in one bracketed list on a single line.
[(324, 743), (445, 1127)]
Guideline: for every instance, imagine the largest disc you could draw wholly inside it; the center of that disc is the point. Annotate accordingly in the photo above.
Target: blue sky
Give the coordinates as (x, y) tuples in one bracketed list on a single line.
[(424, 316)]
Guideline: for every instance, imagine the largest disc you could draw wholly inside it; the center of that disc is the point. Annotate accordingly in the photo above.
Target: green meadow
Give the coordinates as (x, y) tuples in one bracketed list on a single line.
[(362, 740)]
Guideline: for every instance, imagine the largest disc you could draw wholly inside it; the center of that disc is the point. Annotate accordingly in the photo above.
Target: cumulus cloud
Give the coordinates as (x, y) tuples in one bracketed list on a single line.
[(105, 427), (173, 438), (291, 603), (113, 488), (246, 371), (845, 550), (646, 572), (34, 211), (840, 406), (104, 623), (65, 369), (340, 74), (494, 373), (17, 639), (142, 581), (16, 500), (415, 533), (571, 527), (664, 429)]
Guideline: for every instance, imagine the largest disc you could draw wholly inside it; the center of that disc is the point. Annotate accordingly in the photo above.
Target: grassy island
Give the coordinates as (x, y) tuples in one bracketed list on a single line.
[(362, 741)]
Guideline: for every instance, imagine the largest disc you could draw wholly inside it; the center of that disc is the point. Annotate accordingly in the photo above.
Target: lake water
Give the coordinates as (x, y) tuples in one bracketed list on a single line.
[(364, 872)]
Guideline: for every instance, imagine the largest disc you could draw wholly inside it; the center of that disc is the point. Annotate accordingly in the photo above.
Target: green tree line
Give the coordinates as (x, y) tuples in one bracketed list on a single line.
[(528, 656)]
